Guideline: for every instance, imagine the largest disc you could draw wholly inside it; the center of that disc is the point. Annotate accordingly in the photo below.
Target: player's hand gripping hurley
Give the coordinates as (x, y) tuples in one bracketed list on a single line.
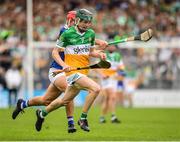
[(103, 64)]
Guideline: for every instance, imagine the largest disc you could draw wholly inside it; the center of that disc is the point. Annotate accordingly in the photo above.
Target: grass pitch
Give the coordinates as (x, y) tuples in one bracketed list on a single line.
[(137, 124)]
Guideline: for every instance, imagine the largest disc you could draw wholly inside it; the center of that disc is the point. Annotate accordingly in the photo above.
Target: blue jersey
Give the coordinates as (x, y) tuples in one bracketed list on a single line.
[(120, 82), (54, 64)]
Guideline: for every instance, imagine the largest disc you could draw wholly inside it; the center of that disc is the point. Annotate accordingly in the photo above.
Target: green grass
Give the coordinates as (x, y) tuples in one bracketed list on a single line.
[(137, 124)]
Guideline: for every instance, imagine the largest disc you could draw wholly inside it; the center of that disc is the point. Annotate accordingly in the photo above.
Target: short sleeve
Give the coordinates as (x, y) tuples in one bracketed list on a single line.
[(61, 41), (92, 38)]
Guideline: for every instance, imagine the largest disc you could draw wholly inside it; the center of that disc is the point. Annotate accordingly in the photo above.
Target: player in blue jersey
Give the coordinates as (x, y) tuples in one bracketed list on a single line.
[(120, 85)]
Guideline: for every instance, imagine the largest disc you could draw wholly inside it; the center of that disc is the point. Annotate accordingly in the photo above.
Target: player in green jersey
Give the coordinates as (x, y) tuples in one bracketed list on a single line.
[(78, 44), (110, 79)]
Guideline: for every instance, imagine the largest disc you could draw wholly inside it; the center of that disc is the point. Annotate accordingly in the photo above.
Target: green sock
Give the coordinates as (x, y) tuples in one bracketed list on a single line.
[(83, 116), (102, 117), (44, 113), (113, 114)]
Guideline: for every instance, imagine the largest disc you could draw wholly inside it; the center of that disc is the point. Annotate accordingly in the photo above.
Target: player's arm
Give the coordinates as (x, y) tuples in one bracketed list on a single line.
[(56, 57), (60, 48), (96, 53), (101, 44)]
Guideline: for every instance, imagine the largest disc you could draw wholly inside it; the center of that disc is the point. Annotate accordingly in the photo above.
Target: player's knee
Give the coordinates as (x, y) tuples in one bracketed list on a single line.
[(112, 98), (96, 90), (61, 87)]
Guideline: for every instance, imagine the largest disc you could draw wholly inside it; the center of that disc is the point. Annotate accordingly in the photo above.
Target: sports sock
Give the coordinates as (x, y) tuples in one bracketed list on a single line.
[(83, 116), (43, 113), (24, 104), (70, 120), (102, 118), (113, 117)]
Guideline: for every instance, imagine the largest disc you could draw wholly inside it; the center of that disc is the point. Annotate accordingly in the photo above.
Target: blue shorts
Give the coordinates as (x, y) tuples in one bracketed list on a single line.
[(120, 86)]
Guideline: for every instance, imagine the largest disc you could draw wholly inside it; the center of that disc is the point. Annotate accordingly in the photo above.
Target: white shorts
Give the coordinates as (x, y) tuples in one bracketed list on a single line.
[(110, 82), (129, 89), (73, 77), (52, 78)]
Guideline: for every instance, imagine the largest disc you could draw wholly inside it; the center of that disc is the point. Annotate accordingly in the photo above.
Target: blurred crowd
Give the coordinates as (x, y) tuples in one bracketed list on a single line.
[(112, 19)]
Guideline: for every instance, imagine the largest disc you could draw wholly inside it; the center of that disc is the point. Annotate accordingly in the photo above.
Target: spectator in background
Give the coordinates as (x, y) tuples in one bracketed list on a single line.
[(13, 80), (112, 18), (5, 62), (2, 80), (5, 57)]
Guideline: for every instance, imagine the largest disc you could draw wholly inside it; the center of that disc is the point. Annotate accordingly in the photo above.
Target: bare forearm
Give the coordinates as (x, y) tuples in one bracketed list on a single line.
[(57, 58), (101, 44)]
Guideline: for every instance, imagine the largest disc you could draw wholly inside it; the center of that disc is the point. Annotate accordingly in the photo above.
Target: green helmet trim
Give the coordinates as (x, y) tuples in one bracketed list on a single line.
[(84, 14)]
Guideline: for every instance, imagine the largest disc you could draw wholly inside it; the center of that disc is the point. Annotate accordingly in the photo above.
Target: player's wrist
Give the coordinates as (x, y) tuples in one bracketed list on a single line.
[(102, 55)]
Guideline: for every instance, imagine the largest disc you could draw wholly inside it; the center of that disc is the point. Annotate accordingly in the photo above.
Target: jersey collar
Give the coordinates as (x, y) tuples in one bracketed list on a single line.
[(81, 34)]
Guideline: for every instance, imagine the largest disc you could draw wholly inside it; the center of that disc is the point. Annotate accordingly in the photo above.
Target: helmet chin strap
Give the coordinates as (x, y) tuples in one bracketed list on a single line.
[(77, 21), (68, 23)]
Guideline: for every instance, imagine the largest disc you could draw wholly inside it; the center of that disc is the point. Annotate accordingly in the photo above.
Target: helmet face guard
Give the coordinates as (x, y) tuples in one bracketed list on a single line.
[(84, 14)]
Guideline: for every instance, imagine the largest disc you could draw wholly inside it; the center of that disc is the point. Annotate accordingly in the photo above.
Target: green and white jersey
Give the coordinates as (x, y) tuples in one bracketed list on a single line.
[(77, 47), (115, 58)]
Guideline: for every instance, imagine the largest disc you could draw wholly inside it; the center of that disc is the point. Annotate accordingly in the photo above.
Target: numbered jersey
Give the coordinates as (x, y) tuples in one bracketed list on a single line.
[(115, 58), (77, 47)]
